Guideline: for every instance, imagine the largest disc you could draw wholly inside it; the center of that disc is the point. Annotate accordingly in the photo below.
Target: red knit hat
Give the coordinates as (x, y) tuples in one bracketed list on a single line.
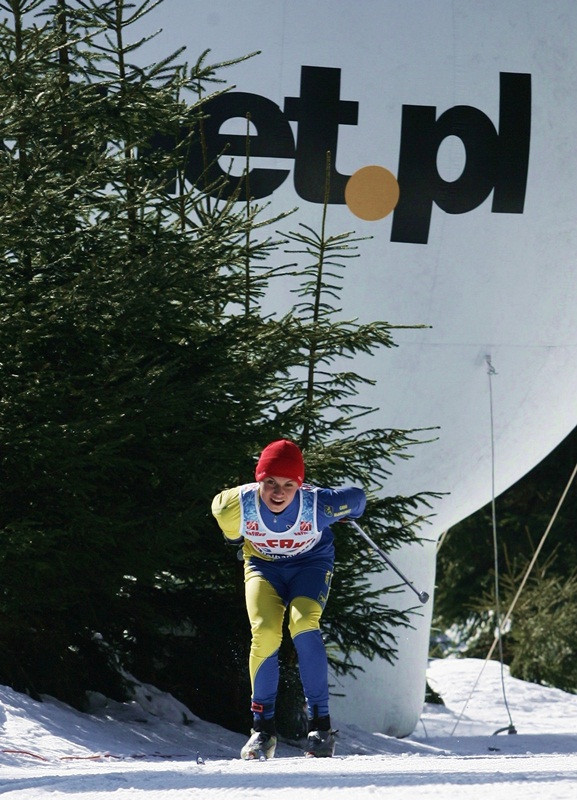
[(282, 459)]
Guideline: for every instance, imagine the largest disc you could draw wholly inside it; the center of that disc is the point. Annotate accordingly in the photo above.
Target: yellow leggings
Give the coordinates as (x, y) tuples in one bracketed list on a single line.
[(266, 612)]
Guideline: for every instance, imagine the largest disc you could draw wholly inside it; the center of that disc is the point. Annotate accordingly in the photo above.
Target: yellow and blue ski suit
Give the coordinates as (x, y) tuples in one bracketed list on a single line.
[(288, 564)]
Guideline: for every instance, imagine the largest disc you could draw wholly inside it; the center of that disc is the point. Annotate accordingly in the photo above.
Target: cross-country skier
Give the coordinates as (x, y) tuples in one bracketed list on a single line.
[(288, 561)]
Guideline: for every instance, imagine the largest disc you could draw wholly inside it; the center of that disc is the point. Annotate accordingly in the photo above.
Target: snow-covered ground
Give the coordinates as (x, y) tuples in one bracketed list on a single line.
[(154, 748)]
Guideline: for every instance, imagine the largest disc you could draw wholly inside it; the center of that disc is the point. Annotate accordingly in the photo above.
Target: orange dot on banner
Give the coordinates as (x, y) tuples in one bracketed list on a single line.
[(372, 192)]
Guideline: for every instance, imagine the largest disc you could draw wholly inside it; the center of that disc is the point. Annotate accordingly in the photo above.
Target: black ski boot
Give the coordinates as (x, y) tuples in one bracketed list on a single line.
[(262, 743), (320, 739)]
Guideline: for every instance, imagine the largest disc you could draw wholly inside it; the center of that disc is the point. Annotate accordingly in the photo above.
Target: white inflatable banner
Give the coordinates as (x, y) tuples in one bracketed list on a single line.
[(453, 126)]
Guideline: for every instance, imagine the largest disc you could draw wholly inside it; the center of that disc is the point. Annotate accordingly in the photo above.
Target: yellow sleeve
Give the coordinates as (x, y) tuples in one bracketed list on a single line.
[(226, 510)]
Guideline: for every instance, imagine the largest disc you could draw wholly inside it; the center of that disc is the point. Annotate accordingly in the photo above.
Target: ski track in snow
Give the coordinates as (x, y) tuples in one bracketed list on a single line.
[(141, 750), (497, 777)]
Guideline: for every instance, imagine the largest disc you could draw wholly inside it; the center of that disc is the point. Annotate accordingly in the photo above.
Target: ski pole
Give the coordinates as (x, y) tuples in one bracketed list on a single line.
[(423, 596)]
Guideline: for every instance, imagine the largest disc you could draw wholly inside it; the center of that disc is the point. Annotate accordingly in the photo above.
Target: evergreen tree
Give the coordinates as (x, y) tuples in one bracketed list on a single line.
[(323, 414), (139, 376), (122, 382), (540, 635)]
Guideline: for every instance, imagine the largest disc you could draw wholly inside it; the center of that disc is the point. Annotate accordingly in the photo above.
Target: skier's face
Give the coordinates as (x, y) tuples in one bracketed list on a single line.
[(277, 493)]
